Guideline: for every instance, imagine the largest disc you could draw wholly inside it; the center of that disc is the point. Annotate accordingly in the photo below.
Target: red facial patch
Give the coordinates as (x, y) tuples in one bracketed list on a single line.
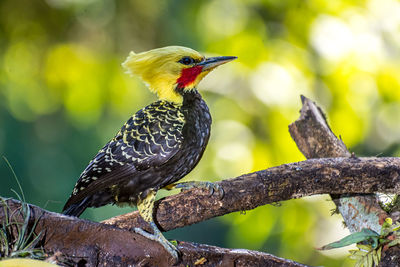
[(188, 76)]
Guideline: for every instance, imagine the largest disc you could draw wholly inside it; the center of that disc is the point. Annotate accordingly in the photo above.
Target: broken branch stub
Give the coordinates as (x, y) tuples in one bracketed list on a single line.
[(315, 139)]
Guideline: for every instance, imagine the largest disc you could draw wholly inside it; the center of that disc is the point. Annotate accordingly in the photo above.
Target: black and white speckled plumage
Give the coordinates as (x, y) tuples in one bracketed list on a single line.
[(157, 146)]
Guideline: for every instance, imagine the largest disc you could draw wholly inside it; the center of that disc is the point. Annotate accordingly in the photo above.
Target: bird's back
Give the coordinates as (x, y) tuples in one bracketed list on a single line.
[(157, 146)]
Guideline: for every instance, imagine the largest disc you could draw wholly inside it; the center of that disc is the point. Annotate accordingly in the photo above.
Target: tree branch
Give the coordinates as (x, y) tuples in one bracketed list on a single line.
[(288, 181), (90, 242), (86, 243), (315, 139)]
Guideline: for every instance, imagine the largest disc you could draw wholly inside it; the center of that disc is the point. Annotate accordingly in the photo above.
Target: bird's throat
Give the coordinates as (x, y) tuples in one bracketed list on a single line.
[(188, 77)]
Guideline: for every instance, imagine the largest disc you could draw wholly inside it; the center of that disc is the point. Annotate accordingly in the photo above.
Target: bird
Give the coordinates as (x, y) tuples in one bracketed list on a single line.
[(158, 145)]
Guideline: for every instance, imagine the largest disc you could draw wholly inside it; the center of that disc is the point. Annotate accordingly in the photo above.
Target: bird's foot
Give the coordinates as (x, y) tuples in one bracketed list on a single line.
[(211, 187), (158, 237)]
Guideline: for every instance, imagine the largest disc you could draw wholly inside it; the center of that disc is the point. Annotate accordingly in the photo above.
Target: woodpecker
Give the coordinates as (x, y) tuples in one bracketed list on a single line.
[(158, 145)]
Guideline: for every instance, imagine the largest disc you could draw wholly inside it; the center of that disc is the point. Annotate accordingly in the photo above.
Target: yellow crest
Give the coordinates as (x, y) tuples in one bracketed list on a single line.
[(160, 69)]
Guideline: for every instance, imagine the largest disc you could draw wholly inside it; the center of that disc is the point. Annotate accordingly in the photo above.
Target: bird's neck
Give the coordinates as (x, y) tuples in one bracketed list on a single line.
[(177, 95), (164, 92), (195, 107), (190, 98), (192, 103)]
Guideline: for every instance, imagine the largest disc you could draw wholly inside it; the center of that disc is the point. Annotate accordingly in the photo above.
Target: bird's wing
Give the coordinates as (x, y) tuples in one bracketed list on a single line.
[(148, 139)]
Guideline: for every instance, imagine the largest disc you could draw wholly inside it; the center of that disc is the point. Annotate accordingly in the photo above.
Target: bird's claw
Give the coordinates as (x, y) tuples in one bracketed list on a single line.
[(211, 187), (172, 250)]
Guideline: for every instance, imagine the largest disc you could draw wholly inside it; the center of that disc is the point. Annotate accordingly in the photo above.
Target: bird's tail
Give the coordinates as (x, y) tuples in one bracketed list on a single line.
[(76, 209)]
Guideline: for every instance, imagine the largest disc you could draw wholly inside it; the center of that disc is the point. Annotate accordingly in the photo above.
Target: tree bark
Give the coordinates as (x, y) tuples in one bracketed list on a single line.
[(284, 182), (86, 243), (90, 242), (315, 139)]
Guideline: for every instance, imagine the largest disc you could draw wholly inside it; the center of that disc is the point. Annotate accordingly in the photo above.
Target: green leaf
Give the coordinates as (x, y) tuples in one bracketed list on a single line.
[(375, 258), (364, 235), (364, 248), (369, 260), (357, 256), (359, 264), (379, 253), (393, 243)]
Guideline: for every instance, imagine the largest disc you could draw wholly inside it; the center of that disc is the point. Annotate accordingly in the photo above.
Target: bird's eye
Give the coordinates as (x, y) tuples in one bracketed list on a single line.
[(186, 60)]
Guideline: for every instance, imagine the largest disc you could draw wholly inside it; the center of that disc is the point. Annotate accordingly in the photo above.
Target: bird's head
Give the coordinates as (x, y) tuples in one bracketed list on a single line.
[(171, 71)]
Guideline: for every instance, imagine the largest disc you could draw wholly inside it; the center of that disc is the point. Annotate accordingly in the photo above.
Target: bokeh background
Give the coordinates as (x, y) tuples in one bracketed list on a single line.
[(63, 94)]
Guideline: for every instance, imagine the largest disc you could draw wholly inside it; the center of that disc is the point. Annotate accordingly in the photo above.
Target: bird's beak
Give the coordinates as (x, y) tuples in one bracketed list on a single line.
[(213, 62)]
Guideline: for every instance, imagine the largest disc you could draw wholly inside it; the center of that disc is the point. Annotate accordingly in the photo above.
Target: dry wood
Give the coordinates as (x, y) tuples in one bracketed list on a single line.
[(92, 243), (315, 139), (288, 181), (86, 243)]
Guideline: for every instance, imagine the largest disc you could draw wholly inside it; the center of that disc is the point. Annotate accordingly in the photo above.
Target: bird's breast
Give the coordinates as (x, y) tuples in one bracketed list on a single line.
[(197, 120)]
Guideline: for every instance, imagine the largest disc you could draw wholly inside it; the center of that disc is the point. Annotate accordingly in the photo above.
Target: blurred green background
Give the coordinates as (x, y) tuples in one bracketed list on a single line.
[(63, 94)]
